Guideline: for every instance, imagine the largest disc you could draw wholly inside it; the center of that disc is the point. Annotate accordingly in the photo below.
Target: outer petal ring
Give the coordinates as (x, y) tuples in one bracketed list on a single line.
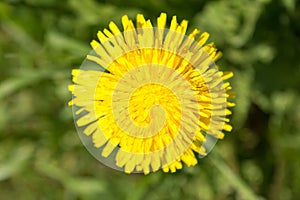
[(192, 55)]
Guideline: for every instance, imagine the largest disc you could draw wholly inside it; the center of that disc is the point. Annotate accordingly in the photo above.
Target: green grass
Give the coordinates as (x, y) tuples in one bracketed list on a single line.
[(41, 156)]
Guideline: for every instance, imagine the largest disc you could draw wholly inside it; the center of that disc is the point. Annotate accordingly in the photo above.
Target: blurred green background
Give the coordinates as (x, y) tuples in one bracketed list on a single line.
[(41, 155)]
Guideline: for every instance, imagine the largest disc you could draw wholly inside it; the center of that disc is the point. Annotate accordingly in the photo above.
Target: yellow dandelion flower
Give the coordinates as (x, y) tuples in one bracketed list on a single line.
[(150, 97)]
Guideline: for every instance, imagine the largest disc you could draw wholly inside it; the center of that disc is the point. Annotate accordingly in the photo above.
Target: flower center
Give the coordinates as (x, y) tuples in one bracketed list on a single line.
[(153, 103)]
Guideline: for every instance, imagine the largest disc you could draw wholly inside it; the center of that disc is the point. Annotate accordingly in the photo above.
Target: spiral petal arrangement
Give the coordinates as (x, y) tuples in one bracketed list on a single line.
[(151, 97)]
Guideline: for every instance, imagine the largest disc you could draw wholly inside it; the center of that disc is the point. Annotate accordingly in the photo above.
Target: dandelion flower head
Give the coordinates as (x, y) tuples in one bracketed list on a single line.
[(149, 98)]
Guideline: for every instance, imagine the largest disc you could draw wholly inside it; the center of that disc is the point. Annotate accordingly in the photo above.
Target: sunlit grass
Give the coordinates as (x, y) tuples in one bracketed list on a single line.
[(41, 155)]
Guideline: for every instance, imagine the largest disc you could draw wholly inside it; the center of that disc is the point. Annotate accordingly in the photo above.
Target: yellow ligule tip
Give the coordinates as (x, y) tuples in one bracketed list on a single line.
[(203, 38), (114, 29), (94, 44), (140, 20), (227, 75), (161, 20), (70, 103), (101, 36), (174, 23)]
